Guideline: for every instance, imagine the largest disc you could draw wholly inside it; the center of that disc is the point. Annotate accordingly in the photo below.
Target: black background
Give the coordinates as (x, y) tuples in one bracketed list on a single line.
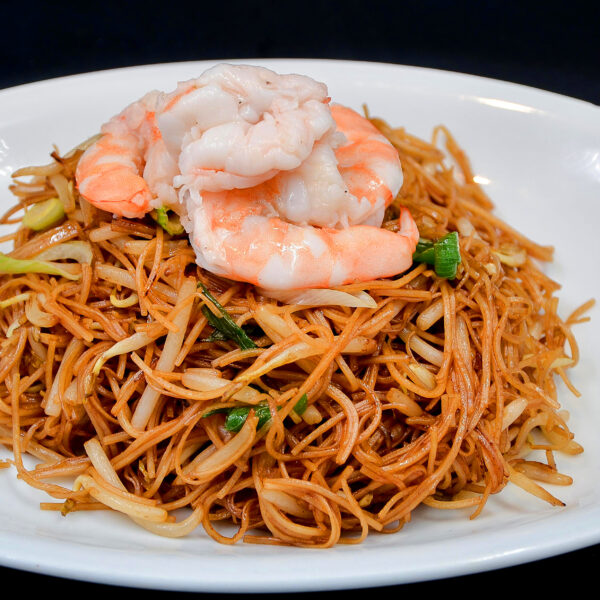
[(550, 45), (546, 44)]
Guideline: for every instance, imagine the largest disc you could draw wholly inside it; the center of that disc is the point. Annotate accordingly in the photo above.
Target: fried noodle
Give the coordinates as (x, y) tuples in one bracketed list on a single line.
[(436, 395)]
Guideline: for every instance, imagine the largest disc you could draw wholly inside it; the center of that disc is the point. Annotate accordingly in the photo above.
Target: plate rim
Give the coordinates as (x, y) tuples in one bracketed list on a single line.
[(252, 61)]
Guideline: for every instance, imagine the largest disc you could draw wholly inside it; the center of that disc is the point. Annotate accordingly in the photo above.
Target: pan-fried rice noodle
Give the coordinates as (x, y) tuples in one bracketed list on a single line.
[(357, 404)]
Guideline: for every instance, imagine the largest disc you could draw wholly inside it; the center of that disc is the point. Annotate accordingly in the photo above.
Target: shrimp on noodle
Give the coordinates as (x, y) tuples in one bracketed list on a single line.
[(128, 170), (329, 329)]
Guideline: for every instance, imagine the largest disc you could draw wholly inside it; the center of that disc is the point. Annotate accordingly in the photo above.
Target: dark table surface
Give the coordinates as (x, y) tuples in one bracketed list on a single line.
[(550, 45)]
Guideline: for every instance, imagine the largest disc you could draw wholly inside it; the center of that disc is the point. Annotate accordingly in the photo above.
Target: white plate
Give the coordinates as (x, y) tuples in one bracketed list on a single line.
[(539, 153)]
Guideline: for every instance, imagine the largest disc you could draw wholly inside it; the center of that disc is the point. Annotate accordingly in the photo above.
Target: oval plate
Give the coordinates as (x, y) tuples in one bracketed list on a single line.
[(538, 156)]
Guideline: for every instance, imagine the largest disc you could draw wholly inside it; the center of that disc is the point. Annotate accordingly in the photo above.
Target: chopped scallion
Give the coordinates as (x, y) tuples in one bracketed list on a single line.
[(216, 411), (443, 254), (301, 405), (171, 224), (44, 214), (236, 416), (225, 324), (11, 265)]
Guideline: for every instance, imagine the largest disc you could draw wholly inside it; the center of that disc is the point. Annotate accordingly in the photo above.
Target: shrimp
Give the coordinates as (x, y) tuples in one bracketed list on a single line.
[(347, 180), (237, 126), (274, 186), (128, 171), (238, 235)]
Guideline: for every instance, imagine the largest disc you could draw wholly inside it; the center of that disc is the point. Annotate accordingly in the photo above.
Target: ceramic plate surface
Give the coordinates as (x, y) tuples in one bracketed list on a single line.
[(538, 156)]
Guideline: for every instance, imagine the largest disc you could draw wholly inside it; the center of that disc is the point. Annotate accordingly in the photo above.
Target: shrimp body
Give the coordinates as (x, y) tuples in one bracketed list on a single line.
[(238, 235), (237, 126), (128, 170), (348, 179), (274, 186)]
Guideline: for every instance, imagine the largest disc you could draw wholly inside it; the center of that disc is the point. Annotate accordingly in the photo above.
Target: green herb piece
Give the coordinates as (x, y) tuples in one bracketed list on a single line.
[(216, 411), (250, 330), (225, 324), (16, 265), (43, 214), (443, 254), (301, 405), (237, 416), (171, 224), (447, 255), (424, 252)]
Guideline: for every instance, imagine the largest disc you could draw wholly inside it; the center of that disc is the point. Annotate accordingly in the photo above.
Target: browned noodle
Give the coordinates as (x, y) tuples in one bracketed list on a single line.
[(435, 396)]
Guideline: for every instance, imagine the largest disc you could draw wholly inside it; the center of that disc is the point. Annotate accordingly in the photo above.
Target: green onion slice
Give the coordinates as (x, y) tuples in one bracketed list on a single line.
[(44, 214), (171, 224), (236, 416), (225, 324), (443, 254), (447, 255), (301, 405), (11, 265), (216, 411)]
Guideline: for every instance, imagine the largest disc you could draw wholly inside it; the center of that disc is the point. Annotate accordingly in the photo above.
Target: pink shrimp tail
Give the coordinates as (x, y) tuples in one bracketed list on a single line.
[(109, 179)]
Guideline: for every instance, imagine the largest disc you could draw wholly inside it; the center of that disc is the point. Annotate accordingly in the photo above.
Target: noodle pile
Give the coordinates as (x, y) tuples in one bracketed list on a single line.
[(114, 377)]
